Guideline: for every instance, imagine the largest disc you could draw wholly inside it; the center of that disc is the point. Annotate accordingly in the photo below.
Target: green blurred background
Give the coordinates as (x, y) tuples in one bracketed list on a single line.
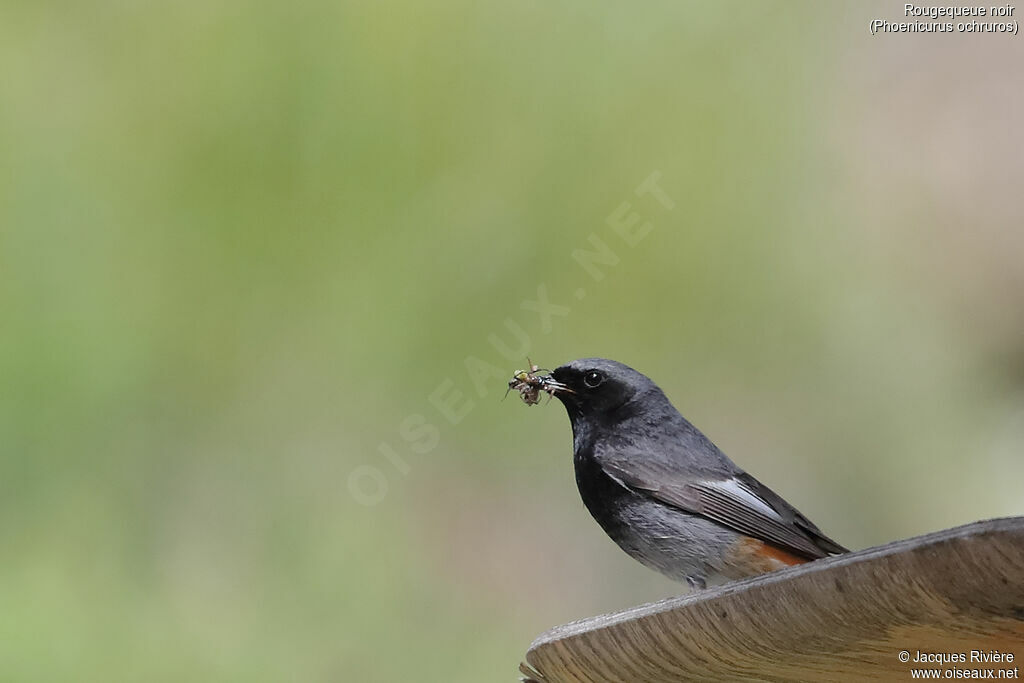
[(242, 243)]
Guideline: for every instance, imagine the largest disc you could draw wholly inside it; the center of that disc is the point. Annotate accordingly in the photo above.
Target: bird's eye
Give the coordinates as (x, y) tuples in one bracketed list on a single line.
[(593, 378)]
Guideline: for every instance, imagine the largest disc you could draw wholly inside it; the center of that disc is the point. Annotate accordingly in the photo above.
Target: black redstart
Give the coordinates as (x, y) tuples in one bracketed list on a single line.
[(659, 487)]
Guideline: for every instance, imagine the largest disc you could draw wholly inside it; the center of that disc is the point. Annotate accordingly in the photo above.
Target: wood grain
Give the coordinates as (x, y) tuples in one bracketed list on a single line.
[(844, 618)]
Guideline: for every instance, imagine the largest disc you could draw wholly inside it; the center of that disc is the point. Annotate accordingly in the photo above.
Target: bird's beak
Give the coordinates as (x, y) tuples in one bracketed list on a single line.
[(553, 386)]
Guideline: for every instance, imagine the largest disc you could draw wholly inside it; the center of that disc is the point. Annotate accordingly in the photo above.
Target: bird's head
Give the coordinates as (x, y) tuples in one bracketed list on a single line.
[(597, 390)]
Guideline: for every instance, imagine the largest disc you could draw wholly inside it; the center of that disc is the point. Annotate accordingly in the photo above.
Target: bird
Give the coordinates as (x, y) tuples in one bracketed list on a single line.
[(664, 492)]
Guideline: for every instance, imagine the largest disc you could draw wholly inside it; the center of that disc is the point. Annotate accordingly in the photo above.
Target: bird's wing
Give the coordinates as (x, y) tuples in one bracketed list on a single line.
[(739, 502)]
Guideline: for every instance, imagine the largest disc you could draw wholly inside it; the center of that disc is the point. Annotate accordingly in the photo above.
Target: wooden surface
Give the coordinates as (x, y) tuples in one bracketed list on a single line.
[(845, 618)]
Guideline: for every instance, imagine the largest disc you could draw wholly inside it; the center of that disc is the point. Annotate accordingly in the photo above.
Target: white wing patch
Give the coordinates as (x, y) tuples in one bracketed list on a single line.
[(740, 492)]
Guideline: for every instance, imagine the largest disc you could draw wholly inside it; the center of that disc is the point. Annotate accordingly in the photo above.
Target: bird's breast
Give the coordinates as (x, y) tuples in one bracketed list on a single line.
[(603, 496)]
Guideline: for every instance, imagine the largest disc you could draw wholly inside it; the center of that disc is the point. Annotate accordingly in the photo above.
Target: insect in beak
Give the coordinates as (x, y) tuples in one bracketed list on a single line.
[(553, 386), (529, 384)]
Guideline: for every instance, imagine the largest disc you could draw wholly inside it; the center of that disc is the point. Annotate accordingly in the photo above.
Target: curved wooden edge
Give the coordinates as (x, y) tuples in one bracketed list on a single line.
[(945, 587)]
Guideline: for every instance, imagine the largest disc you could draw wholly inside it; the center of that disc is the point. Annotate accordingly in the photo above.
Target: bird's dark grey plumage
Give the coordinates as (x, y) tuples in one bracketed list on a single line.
[(664, 492)]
